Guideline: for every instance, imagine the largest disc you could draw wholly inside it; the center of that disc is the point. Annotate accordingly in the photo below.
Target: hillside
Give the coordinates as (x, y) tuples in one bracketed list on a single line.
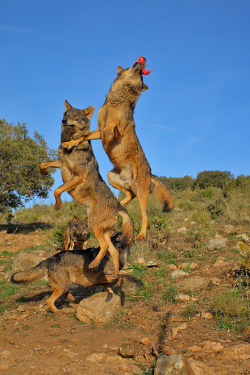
[(185, 289)]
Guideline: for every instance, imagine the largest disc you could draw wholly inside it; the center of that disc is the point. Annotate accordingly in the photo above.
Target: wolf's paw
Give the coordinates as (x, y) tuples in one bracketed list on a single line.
[(43, 170), (141, 237), (58, 204), (94, 263), (67, 145)]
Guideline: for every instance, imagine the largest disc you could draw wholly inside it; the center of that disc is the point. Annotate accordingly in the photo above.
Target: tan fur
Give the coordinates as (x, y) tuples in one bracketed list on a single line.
[(72, 267), (82, 180), (116, 128)]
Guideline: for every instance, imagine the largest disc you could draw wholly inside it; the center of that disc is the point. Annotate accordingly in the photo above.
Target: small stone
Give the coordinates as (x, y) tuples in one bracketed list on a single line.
[(207, 315), (171, 267), (124, 368), (105, 346), (216, 243), (182, 326), (145, 341), (95, 357), (10, 340), (182, 230), (112, 359), (193, 266), (114, 348), (213, 346), (141, 260), (177, 274), (229, 229), (216, 281), (195, 348), (25, 315), (167, 350), (152, 263), (220, 263), (192, 284), (185, 297), (129, 350)]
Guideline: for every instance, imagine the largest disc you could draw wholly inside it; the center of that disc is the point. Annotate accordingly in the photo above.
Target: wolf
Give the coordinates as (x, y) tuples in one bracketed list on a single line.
[(76, 235), (72, 267), (82, 180), (116, 128)]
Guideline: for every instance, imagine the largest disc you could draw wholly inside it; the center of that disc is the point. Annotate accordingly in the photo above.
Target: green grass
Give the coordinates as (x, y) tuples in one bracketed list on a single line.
[(231, 310)]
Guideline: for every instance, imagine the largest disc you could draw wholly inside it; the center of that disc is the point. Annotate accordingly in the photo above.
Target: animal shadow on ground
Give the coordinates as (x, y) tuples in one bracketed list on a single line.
[(24, 228), (163, 331)]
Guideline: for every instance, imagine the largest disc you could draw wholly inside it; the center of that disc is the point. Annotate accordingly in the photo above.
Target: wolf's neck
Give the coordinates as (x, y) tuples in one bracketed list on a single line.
[(126, 95)]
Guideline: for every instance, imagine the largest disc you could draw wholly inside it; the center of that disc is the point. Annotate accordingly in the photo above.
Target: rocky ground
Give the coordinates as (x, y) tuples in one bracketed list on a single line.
[(36, 341)]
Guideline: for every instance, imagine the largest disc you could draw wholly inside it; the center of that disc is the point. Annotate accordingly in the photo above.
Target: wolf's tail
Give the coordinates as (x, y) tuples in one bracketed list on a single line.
[(127, 228), (162, 193), (32, 274)]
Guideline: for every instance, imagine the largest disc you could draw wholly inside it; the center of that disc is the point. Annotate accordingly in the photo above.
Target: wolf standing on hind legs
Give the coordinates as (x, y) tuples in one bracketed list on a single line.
[(116, 128), (82, 180)]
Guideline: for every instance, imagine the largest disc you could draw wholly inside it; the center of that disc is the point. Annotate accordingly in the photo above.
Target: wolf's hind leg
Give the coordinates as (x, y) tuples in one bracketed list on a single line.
[(123, 185)]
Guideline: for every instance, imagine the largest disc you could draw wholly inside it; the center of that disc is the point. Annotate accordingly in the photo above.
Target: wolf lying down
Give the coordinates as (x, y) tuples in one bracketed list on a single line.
[(72, 267)]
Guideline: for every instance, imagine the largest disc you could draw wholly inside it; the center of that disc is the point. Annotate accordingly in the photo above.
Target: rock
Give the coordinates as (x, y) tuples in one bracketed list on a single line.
[(215, 281), (129, 350), (177, 329), (244, 238), (167, 350), (229, 229), (171, 365), (141, 260), (220, 263), (152, 263), (171, 267), (25, 261), (193, 266), (207, 315), (216, 243), (213, 346), (242, 349), (185, 297), (193, 284), (177, 274), (182, 230), (145, 341), (198, 368), (95, 357), (99, 308)]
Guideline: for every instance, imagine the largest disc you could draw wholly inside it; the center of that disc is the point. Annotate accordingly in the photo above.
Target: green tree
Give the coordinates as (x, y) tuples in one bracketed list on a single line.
[(20, 157), (217, 179)]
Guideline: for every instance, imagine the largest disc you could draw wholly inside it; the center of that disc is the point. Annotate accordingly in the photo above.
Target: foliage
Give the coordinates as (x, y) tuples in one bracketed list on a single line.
[(21, 155), (231, 310), (178, 183), (217, 179)]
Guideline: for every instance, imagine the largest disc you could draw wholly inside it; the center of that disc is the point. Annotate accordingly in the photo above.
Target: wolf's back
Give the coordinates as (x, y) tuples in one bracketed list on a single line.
[(162, 192), (32, 274)]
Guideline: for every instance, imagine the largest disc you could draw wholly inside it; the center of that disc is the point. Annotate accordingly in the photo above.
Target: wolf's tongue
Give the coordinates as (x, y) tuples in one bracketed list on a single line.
[(142, 60)]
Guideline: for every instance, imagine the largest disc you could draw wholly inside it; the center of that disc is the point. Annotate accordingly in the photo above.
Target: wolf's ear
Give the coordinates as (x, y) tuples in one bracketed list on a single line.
[(89, 112), (144, 87), (119, 70), (67, 105)]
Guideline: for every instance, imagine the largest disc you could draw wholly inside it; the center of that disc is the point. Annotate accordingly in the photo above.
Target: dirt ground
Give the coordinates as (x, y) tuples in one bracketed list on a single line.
[(36, 341)]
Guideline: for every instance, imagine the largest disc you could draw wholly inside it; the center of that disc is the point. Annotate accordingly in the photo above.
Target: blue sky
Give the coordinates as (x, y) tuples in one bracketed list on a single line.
[(195, 115)]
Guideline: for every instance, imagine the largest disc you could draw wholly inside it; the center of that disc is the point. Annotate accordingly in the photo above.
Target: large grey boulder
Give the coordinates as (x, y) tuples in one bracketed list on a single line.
[(99, 308)]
